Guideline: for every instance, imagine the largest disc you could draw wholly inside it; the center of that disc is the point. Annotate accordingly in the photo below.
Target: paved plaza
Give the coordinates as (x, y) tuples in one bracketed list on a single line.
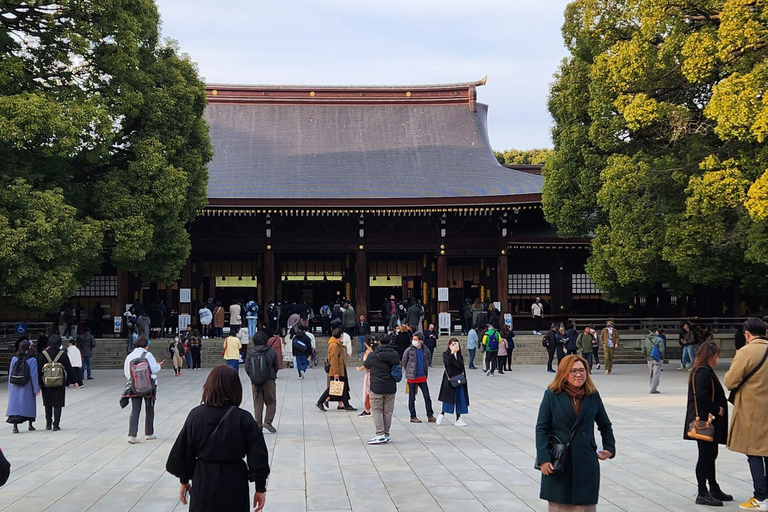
[(321, 461)]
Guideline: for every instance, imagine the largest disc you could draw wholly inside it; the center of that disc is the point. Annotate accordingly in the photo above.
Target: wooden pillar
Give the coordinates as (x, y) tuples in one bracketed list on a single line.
[(269, 276), (442, 280), (185, 308), (361, 288), (502, 283)]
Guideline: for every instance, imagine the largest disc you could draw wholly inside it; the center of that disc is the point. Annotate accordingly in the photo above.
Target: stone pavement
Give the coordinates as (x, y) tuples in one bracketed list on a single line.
[(321, 461)]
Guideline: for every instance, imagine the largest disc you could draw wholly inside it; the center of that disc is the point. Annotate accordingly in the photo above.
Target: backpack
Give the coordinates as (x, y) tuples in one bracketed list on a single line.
[(141, 376), (397, 373), (544, 342), (257, 368), (493, 341), (656, 352), (298, 345), (20, 372), (53, 371)]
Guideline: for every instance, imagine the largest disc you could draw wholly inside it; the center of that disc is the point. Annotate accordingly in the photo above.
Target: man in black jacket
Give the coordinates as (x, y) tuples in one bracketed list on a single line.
[(551, 344), (383, 390), (261, 366)]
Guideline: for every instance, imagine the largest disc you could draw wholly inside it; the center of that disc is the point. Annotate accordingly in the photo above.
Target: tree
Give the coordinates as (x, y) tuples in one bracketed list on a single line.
[(103, 146), (660, 155), (522, 156)]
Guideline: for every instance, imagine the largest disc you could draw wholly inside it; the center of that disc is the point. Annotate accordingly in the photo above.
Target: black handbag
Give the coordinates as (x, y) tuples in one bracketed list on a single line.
[(559, 452), (458, 380)]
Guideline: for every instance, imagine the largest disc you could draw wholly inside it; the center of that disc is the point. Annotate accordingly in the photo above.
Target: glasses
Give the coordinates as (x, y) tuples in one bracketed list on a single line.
[(578, 371)]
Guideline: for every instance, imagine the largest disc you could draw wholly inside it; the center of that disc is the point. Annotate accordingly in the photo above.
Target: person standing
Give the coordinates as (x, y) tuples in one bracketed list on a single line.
[(453, 398), (403, 339), (337, 370), (609, 340), (466, 318), (537, 313), (235, 316), (508, 334), (218, 321), (383, 390), (491, 341), (584, 345), (252, 316), (242, 335), (195, 347), (211, 446), (301, 346), (747, 379), (655, 358), (706, 400), (415, 363), (162, 314), (325, 319), (430, 338), (501, 355), (569, 411), (76, 360), (477, 308), (53, 383), (231, 353), (145, 325), (413, 313), (97, 314), (688, 342), (391, 309), (472, 341), (86, 343), (23, 387), (273, 315), (561, 338), (129, 370), (362, 331), (348, 319), (370, 344), (572, 333), (261, 366), (206, 318), (550, 343)]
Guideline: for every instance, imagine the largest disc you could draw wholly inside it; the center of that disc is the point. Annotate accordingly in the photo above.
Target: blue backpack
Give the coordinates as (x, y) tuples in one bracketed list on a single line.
[(656, 353), (397, 372), (493, 341)]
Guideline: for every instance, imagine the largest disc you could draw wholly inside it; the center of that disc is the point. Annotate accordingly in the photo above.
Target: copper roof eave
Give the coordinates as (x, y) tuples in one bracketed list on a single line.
[(348, 88), (427, 202)]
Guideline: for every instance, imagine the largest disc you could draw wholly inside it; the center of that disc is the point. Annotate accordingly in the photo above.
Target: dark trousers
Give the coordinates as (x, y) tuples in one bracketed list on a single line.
[(596, 354), (537, 323), (344, 398), (412, 398), (195, 351), (705, 467), (560, 352), (52, 412), (326, 321), (79, 374), (467, 325), (758, 466), (550, 357), (490, 361), (392, 322), (264, 396), (509, 359), (149, 415)]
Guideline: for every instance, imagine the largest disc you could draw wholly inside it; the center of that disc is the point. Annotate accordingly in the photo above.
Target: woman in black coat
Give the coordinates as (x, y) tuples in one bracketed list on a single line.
[(454, 399), (209, 451), (54, 397), (706, 394)]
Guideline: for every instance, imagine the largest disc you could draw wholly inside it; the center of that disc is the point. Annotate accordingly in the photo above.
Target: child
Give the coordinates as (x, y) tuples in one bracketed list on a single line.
[(370, 344), (76, 360)]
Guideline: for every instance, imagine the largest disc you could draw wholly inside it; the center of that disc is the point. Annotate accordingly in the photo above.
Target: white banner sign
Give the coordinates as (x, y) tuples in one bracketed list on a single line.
[(442, 295), (184, 321), (185, 295)]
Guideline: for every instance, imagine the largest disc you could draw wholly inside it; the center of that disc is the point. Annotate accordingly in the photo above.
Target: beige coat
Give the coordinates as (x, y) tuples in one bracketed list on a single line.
[(748, 433), (604, 337)]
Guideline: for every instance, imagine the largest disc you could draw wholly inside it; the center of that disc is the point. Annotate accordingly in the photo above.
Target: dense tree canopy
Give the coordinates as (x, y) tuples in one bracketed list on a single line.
[(661, 121), (522, 156), (103, 148)]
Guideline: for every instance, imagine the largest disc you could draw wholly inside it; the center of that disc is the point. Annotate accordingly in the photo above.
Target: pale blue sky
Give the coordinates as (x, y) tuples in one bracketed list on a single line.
[(517, 44)]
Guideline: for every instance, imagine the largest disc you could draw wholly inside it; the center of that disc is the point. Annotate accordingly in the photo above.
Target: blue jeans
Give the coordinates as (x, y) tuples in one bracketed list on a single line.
[(687, 355), (188, 357), (361, 341), (758, 466), (472, 352), (252, 326), (86, 365), (234, 363), (301, 364), (588, 357), (412, 398)]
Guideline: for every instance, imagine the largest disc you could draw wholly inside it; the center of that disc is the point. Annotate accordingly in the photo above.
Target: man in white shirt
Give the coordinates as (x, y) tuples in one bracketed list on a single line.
[(76, 360), (140, 347), (537, 312)]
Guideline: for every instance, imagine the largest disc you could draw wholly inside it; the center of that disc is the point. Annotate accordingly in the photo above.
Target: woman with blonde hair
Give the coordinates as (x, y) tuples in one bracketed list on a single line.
[(567, 416)]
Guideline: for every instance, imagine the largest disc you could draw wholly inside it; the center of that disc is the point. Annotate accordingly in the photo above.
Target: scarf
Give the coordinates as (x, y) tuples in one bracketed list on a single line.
[(576, 395)]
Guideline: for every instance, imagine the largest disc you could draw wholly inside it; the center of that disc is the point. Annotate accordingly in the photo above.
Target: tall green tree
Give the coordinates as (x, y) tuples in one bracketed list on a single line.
[(103, 147), (660, 128), (523, 156)]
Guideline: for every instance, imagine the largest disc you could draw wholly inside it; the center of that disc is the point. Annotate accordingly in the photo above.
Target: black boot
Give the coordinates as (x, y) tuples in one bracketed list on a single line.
[(15, 428), (708, 499), (719, 494)]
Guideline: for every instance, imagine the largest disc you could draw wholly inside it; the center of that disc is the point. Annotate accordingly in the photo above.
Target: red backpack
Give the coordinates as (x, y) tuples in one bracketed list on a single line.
[(141, 376)]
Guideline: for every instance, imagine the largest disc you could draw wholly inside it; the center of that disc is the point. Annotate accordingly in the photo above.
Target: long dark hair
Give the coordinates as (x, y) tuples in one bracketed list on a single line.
[(222, 386), (707, 351), (23, 349)]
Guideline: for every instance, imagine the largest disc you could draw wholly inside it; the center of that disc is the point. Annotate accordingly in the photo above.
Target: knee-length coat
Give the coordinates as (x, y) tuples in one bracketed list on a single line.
[(21, 399), (557, 418), (453, 366), (54, 397)]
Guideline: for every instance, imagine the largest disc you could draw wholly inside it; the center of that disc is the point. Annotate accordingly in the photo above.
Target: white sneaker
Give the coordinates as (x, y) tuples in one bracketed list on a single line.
[(598, 366), (301, 376), (151, 437), (460, 423), (133, 440), (439, 420), (379, 440)]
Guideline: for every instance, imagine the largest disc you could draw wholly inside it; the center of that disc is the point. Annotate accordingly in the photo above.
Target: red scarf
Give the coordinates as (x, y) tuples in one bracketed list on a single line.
[(576, 395)]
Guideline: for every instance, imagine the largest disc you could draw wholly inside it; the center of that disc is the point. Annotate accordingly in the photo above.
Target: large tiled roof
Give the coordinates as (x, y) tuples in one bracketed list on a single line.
[(356, 151)]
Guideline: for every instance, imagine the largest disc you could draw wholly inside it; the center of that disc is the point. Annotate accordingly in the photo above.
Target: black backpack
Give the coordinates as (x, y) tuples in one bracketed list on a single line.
[(257, 368), (20, 372)]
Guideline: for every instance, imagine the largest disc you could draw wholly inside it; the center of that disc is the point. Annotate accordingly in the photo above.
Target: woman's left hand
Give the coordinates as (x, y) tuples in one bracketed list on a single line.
[(604, 454), (259, 500)]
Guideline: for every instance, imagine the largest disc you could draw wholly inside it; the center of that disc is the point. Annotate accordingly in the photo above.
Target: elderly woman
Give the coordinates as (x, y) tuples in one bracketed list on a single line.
[(207, 457), (568, 413)]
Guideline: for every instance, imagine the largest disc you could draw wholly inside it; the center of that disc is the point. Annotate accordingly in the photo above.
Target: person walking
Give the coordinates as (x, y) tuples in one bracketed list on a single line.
[(491, 341), (688, 342), (370, 343), (584, 346), (430, 338), (573, 334), (747, 379), (137, 367), (508, 334), (348, 319), (380, 364), (337, 370), (472, 342), (301, 346), (76, 360), (537, 313), (707, 402), (275, 342), (245, 339), (55, 375), (231, 352), (568, 413), (609, 340), (207, 456), (455, 398), (144, 325), (86, 343), (23, 387), (550, 343), (262, 367), (362, 331), (177, 355), (415, 363), (653, 349)]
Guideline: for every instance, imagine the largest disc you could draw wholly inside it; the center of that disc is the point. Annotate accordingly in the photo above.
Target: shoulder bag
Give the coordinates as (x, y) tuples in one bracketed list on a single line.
[(732, 394), (457, 380), (697, 429), (559, 452), (213, 434)]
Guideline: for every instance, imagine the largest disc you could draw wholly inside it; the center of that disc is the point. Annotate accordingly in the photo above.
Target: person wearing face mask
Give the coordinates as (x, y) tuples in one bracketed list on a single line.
[(454, 398), (415, 363), (609, 340)]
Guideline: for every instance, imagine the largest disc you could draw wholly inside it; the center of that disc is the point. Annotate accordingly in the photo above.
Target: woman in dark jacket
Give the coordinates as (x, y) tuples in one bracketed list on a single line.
[(706, 394), (570, 409), (453, 398), (53, 397), (509, 335), (209, 451)]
